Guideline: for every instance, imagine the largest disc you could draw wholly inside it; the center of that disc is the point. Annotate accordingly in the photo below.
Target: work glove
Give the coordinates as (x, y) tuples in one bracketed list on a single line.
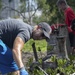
[(23, 71)]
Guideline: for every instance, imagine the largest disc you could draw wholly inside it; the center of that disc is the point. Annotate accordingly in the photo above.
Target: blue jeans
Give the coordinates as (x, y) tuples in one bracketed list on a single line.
[(7, 63)]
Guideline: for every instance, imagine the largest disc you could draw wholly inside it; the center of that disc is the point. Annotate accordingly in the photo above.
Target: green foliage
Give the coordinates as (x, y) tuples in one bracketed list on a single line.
[(67, 69), (23, 6), (42, 18), (37, 72), (63, 67), (42, 4), (41, 43), (0, 4), (50, 12), (71, 3)]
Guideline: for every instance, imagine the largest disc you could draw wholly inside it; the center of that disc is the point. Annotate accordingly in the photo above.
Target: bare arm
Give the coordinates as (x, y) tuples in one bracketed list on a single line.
[(17, 47)]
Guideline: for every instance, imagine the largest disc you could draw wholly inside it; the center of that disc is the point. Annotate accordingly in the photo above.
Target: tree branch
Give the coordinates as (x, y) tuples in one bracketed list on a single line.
[(35, 11), (14, 10)]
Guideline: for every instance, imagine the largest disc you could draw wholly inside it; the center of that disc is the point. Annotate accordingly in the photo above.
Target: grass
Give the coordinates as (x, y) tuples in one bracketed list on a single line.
[(41, 43)]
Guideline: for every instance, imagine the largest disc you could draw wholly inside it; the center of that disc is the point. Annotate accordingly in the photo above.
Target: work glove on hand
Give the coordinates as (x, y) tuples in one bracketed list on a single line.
[(23, 71)]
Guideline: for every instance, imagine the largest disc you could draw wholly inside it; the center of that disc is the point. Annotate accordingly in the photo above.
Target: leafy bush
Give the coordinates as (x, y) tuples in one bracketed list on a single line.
[(65, 67)]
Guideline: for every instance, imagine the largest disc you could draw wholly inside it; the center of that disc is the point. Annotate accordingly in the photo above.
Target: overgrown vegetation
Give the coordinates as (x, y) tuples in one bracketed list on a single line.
[(64, 68)]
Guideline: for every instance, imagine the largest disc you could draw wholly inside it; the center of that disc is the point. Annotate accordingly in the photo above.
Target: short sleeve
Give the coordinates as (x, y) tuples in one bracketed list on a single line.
[(24, 35)]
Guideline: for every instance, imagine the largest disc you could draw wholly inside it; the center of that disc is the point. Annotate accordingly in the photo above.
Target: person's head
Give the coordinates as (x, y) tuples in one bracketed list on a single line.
[(62, 4), (41, 31)]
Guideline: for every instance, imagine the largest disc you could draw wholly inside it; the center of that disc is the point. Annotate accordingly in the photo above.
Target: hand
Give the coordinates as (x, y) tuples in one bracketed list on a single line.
[(23, 71)]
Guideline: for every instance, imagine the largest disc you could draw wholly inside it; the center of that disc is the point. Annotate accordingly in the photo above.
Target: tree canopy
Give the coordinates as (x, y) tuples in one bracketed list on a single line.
[(50, 12)]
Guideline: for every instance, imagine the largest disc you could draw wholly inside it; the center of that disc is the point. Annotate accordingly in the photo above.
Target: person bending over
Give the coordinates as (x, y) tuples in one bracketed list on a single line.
[(13, 35)]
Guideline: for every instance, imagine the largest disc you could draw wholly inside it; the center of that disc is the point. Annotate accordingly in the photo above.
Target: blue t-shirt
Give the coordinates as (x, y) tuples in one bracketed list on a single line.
[(11, 28)]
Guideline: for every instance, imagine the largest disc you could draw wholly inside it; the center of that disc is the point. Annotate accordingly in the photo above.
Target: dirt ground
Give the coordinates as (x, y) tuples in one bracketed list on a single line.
[(26, 56)]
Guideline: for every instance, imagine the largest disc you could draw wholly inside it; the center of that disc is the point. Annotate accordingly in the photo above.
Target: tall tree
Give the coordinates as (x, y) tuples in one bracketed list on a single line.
[(50, 12)]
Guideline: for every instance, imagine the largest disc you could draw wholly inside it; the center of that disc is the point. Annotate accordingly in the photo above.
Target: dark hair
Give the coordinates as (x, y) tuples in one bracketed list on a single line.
[(60, 2)]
